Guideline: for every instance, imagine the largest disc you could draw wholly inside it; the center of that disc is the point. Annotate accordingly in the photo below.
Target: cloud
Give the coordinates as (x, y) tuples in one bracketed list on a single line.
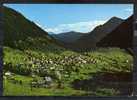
[(38, 24), (128, 10), (78, 27)]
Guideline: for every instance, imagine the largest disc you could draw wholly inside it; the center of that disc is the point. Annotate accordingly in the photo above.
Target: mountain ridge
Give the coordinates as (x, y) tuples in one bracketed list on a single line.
[(21, 33), (88, 40), (122, 36), (68, 37)]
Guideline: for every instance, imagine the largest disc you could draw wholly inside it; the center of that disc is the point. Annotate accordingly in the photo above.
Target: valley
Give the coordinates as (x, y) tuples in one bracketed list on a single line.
[(37, 64)]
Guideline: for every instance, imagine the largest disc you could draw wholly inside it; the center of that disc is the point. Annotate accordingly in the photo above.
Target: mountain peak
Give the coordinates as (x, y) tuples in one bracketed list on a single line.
[(114, 18), (71, 32)]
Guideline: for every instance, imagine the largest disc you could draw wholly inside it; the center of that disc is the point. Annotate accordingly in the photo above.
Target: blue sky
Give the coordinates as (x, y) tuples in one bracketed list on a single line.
[(60, 18)]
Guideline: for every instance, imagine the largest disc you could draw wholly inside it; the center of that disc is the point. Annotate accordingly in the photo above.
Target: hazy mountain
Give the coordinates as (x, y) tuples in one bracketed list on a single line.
[(68, 37), (51, 33)]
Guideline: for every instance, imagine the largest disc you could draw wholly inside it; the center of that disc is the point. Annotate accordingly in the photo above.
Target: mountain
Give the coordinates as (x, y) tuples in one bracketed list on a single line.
[(121, 36), (22, 33), (89, 40), (100, 31), (68, 37), (51, 33)]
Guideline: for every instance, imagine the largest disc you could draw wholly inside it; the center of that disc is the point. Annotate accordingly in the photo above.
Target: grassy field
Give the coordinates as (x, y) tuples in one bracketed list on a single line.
[(70, 65), (11, 89)]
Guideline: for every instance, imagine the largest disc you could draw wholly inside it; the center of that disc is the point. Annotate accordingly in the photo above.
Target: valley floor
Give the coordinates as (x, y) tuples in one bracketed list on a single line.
[(12, 89), (104, 72)]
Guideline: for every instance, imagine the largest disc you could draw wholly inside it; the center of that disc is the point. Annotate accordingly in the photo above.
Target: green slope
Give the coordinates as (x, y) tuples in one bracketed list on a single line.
[(21, 33)]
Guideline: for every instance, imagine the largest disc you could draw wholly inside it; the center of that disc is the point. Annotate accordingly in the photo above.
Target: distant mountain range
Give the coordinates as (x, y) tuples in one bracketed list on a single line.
[(68, 37), (96, 34), (116, 32), (89, 40)]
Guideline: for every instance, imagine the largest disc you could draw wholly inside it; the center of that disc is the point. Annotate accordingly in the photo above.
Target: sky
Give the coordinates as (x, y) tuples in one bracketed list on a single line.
[(59, 18)]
